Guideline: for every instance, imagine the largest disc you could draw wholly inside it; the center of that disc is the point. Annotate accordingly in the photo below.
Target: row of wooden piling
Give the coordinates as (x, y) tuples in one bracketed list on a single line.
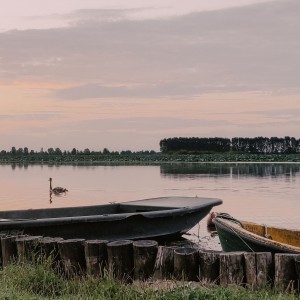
[(143, 259)]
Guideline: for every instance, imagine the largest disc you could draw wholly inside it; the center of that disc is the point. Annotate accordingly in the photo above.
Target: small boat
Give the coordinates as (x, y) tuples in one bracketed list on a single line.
[(164, 217), (236, 235)]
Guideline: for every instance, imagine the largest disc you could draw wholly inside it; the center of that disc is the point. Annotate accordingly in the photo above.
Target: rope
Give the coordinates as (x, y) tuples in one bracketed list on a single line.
[(230, 218), (242, 240)]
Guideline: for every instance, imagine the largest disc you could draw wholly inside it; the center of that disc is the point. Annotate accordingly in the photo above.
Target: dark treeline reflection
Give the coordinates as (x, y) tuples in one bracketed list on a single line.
[(260, 170), (21, 165)]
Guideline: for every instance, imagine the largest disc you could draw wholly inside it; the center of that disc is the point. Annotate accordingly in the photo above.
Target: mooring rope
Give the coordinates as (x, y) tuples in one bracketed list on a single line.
[(242, 239), (230, 218)]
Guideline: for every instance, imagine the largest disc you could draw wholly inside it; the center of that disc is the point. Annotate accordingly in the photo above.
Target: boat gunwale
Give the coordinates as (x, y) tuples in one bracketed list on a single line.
[(170, 211), (232, 227)]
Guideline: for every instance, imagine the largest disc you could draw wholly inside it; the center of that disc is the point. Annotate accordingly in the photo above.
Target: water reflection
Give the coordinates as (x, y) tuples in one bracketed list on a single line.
[(55, 195), (187, 169), (257, 170), (261, 192), (87, 164)]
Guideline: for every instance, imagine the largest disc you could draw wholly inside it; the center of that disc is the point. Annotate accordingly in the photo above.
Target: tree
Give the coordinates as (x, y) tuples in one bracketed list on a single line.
[(58, 151), (105, 151), (50, 150), (20, 151), (13, 151), (87, 151)]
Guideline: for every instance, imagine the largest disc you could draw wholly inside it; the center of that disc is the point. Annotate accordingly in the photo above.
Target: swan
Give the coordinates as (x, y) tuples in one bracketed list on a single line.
[(57, 190)]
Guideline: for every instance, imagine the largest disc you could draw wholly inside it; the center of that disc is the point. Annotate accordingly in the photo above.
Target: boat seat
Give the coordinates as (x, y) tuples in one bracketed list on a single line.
[(266, 235)]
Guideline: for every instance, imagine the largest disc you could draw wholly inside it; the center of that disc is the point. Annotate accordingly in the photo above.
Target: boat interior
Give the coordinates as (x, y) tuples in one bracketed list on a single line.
[(107, 209), (146, 205), (286, 236)]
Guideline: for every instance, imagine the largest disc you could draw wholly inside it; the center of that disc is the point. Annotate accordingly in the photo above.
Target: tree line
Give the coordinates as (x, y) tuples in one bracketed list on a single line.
[(176, 145), (57, 153), (257, 145)]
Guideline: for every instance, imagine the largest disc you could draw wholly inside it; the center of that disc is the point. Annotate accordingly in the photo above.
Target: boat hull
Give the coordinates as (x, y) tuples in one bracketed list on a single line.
[(233, 239), (130, 220)]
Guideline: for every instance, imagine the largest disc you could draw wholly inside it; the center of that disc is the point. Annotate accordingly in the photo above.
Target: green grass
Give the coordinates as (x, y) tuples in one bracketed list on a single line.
[(40, 281)]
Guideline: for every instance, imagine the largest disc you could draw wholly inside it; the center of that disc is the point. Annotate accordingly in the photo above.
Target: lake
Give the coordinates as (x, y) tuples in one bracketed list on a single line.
[(267, 193)]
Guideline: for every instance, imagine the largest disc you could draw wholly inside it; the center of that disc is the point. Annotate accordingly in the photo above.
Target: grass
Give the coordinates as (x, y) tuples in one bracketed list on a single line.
[(39, 281)]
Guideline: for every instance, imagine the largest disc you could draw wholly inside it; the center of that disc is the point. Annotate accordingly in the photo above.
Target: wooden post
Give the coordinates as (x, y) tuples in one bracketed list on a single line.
[(27, 247), (72, 255), (164, 264), (209, 262), (144, 256), (264, 269), (186, 264), (285, 271), (49, 247), (120, 259), (297, 266), (250, 269), (9, 249), (232, 268), (2, 235), (258, 267), (49, 250), (95, 256)]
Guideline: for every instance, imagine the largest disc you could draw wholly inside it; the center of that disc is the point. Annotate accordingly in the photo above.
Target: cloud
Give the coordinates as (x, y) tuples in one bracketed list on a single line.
[(164, 89), (285, 114), (37, 116), (249, 48)]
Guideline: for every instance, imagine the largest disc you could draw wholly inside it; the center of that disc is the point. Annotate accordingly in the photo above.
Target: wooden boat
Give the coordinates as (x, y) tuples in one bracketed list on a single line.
[(164, 217), (236, 235)]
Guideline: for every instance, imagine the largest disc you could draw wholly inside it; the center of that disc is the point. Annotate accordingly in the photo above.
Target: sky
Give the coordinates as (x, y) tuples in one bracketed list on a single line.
[(123, 75)]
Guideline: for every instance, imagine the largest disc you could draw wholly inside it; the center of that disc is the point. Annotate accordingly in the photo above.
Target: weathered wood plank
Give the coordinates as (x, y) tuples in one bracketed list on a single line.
[(27, 247), (232, 268), (49, 250), (286, 278), (96, 257), (209, 262), (186, 264), (164, 264), (9, 249), (120, 260), (250, 269), (264, 269), (72, 256), (144, 256)]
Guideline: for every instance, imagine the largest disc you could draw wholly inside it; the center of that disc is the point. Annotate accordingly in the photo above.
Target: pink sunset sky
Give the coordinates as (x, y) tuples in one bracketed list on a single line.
[(123, 75)]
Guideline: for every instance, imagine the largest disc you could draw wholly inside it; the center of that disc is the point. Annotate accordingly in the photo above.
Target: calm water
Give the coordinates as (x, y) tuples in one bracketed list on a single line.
[(267, 193)]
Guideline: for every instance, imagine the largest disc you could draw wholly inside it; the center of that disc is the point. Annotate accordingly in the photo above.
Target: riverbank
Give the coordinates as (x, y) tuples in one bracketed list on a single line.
[(39, 281), (51, 266)]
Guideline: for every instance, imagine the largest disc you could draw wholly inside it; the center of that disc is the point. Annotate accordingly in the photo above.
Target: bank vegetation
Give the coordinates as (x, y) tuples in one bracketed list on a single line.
[(40, 281), (259, 149)]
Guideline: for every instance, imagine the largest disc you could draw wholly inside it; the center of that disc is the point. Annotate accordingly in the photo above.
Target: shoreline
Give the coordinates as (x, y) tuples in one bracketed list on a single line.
[(151, 158), (147, 162)]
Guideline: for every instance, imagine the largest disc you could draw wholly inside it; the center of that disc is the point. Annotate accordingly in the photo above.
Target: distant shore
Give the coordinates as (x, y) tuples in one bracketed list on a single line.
[(153, 158)]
